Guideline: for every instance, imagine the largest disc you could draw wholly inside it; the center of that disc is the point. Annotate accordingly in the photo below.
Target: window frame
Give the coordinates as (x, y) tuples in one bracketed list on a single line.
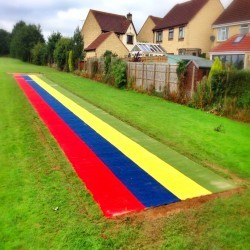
[(159, 36), (181, 33), (130, 39), (171, 34), (222, 34)]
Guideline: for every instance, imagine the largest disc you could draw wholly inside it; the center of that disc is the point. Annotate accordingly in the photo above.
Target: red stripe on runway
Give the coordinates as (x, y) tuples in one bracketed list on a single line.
[(112, 196)]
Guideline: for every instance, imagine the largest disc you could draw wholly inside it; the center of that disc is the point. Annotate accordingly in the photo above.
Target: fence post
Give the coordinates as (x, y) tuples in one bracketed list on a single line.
[(192, 86), (142, 75), (154, 74), (168, 77)]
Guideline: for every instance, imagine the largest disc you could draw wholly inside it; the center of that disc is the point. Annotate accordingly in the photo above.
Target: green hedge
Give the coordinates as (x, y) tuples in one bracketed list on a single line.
[(232, 84)]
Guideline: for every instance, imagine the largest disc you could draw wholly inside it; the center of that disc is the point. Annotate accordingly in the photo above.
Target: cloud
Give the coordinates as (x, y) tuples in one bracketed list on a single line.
[(65, 15)]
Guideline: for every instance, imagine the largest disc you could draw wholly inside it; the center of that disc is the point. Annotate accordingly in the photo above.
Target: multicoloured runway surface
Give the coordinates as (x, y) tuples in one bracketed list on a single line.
[(124, 169)]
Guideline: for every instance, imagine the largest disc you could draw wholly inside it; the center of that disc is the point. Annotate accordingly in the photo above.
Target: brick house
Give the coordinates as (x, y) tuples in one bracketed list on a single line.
[(146, 32), (106, 31), (186, 29)]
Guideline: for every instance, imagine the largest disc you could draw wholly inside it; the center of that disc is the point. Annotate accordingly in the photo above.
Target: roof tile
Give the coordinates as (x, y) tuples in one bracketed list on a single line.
[(98, 41), (232, 46), (111, 22), (181, 14), (237, 11)]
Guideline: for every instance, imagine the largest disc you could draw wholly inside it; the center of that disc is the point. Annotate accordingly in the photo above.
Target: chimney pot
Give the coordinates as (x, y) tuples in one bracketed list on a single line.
[(129, 16)]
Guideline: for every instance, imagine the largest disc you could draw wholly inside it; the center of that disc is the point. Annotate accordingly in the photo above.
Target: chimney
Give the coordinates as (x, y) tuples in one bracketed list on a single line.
[(129, 17)]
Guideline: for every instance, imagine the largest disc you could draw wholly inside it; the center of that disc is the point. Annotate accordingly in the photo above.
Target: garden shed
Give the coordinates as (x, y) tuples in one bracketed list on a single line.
[(196, 70)]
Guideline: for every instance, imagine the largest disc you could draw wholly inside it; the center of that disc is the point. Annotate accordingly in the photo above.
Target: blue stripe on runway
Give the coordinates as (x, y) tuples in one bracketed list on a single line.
[(142, 185)]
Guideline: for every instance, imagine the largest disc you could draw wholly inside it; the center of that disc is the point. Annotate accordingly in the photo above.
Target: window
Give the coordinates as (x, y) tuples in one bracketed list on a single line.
[(223, 34), (171, 34), (159, 36), (244, 29), (130, 39), (181, 33), (236, 60)]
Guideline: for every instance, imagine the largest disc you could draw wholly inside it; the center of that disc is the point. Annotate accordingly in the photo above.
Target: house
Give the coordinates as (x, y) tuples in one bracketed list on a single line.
[(146, 32), (231, 35), (121, 35), (233, 21), (187, 27), (234, 51)]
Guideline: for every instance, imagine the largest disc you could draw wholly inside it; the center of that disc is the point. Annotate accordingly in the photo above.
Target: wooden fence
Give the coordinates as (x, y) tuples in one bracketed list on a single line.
[(153, 76)]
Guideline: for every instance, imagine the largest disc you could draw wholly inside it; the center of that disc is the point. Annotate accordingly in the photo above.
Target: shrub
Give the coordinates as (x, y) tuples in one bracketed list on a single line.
[(39, 54), (119, 72), (202, 98), (61, 52), (235, 83), (70, 61)]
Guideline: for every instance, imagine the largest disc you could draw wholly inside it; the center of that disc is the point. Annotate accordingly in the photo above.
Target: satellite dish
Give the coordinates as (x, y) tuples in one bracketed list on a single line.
[(212, 38)]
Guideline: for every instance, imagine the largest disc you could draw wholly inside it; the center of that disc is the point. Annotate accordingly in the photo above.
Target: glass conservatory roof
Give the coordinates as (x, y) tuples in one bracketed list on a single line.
[(148, 48)]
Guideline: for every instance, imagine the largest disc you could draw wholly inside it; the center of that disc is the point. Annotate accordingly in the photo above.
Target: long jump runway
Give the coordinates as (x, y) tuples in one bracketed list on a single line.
[(123, 169)]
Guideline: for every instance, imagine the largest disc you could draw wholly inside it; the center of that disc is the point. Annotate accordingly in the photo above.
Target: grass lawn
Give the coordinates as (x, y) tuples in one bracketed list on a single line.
[(44, 205)]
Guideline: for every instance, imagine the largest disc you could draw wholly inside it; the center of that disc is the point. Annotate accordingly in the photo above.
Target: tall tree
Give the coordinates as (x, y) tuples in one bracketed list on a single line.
[(51, 45), (78, 44), (4, 42), (24, 38), (63, 46)]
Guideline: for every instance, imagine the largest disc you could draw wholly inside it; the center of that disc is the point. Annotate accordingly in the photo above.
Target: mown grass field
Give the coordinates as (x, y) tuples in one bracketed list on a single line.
[(44, 205)]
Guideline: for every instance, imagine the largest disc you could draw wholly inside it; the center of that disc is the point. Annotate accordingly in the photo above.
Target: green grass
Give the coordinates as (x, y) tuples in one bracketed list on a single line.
[(36, 177)]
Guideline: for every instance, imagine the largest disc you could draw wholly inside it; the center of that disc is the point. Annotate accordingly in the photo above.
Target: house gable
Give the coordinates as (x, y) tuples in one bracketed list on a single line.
[(90, 30), (146, 33)]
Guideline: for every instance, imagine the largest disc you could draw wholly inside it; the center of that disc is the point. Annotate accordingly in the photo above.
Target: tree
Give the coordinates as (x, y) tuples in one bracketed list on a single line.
[(51, 45), (39, 54), (23, 39), (4, 42), (70, 61), (216, 67), (78, 43), (63, 46)]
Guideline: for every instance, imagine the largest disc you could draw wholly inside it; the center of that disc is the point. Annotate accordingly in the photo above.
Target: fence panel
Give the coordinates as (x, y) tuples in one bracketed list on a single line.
[(153, 76)]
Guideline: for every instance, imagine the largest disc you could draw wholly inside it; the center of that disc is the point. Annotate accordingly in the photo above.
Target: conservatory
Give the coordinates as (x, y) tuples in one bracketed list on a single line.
[(147, 49)]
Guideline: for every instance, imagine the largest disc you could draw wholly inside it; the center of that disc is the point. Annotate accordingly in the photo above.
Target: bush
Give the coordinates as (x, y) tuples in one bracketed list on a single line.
[(119, 72), (39, 54), (202, 98), (61, 52), (235, 83), (70, 61)]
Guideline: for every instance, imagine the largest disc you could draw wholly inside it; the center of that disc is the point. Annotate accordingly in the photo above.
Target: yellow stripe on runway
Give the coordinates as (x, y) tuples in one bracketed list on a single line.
[(176, 182)]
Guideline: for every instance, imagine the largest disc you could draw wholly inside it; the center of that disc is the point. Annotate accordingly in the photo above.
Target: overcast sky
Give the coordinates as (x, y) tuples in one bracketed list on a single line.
[(65, 15)]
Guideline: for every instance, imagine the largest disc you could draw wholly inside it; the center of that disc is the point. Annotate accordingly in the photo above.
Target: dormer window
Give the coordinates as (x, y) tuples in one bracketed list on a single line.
[(130, 39)]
